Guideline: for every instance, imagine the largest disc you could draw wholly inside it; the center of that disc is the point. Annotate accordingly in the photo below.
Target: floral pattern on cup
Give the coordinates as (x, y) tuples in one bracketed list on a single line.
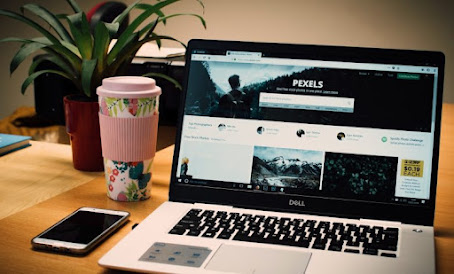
[(128, 181), (128, 107)]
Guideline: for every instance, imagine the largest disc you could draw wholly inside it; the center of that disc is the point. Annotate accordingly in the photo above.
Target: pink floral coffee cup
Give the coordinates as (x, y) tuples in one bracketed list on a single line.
[(128, 117)]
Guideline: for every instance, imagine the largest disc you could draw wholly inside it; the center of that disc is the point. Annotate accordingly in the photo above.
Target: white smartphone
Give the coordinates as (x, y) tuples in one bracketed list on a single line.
[(81, 231)]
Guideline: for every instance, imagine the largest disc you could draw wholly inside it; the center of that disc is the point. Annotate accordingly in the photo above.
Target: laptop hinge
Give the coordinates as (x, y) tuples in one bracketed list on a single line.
[(217, 206), (380, 222)]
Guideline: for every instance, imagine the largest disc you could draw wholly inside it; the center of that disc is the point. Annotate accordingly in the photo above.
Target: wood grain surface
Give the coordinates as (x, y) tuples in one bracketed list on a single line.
[(37, 173), (16, 231)]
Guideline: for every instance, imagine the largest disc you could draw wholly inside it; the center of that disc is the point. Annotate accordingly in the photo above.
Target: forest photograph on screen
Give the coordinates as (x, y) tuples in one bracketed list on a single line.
[(363, 177)]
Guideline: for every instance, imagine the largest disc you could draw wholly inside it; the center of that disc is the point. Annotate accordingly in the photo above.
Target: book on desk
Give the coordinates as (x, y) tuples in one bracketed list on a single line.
[(10, 143)]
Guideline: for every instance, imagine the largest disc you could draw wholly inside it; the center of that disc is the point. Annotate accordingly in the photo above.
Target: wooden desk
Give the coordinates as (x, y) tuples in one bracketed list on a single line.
[(37, 173), (17, 230)]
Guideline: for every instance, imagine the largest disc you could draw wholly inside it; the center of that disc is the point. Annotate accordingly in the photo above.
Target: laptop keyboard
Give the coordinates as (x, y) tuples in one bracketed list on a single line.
[(333, 236)]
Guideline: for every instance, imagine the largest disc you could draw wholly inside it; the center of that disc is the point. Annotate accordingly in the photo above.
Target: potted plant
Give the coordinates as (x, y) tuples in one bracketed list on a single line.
[(85, 57)]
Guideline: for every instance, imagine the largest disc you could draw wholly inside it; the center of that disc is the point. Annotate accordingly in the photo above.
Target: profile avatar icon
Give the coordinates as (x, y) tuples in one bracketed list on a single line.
[(300, 132), (221, 127), (260, 130), (341, 136)]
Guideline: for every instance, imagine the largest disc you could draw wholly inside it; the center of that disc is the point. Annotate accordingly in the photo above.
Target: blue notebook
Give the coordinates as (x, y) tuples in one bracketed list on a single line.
[(9, 143)]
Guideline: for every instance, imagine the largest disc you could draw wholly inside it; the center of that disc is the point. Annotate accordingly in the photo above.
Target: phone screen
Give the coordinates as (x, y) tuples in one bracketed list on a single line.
[(82, 227)]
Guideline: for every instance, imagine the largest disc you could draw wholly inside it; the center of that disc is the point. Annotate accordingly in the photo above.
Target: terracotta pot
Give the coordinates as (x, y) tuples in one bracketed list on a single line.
[(82, 125)]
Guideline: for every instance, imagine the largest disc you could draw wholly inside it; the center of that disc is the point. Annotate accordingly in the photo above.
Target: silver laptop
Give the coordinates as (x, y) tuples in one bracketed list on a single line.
[(298, 159)]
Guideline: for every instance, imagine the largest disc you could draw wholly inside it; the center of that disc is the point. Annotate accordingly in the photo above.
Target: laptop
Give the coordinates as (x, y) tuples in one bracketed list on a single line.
[(298, 159)]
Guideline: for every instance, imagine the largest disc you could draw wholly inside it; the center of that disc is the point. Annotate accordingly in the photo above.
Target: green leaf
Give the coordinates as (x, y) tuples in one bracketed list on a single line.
[(31, 23), (71, 47), (80, 29), (148, 29), (35, 63), (129, 43), (143, 180), (136, 171), (166, 77), (149, 166), (50, 18), (113, 28), (51, 58), (203, 6), (74, 6), (32, 77), (101, 45), (126, 35), (88, 66), (61, 16), (56, 49), (131, 191), (147, 6), (60, 63), (65, 54), (23, 53), (186, 14), (41, 40), (157, 38), (115, 110), (119, 19)]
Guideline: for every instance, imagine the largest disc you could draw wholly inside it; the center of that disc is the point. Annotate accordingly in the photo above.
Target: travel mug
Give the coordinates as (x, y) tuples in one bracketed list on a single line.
[(128, 118)]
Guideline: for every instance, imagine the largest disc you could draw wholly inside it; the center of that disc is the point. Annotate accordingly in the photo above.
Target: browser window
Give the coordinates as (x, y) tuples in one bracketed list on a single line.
[(308, 127)]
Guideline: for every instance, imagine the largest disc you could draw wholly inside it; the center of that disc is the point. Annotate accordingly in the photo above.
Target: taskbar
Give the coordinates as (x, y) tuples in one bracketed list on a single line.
[(275, 189)]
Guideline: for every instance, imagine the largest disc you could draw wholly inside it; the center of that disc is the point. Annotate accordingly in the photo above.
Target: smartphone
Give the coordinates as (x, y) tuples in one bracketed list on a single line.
[(81, 231)]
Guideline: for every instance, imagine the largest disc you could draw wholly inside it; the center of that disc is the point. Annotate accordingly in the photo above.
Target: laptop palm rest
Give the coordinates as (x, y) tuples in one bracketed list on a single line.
[(242, 259)]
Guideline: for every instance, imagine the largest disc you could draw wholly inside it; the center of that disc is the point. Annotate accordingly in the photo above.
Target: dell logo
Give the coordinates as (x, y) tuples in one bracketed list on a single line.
[(296, 202)]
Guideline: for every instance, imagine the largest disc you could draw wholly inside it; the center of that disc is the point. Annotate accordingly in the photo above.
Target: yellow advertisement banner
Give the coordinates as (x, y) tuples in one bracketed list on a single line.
[(412, 168)]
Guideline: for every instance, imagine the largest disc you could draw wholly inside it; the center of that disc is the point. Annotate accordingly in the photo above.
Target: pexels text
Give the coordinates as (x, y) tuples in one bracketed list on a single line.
[(307, 83)]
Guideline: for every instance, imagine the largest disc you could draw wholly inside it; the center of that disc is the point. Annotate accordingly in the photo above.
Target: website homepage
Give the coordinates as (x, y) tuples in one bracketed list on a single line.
[(318, 128)]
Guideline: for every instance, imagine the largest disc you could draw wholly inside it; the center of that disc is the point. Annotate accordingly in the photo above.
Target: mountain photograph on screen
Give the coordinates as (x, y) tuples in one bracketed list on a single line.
[(282, 167)]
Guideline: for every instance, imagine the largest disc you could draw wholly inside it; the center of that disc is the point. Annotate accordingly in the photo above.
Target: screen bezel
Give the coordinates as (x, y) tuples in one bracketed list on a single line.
[(421, 215)]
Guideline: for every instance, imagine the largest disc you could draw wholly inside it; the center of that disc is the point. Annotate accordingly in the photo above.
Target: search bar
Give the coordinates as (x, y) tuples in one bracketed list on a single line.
[(307, 102)]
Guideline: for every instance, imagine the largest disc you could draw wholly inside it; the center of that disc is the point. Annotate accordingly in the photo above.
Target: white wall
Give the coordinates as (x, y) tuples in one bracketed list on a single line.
[(407, 24)]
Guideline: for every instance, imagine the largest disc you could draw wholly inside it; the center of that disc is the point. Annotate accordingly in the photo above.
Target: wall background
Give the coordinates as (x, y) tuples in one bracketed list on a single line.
[(407, 24)]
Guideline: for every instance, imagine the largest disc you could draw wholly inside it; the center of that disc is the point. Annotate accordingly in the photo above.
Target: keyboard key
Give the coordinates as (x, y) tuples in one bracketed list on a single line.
[(241, 236), (348, 250), (177, 231), (209, 234), (318, 245), (353, 243), (225, 236), (335, 247), (391, 230), (194, 232), (208, 213), (390, 247), (370, 251), (303, 242), (290, 232), (273, 238)]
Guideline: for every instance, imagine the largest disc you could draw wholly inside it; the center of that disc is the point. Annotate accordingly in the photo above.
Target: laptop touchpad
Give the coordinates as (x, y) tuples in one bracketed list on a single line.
[(242, 259)]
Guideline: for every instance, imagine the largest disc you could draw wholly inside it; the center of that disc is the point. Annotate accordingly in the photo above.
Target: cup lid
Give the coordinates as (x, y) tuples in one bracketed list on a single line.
[(128, 87)]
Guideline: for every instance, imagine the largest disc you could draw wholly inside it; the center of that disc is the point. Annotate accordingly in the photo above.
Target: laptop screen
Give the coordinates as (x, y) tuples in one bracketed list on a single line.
[(284, 124)]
